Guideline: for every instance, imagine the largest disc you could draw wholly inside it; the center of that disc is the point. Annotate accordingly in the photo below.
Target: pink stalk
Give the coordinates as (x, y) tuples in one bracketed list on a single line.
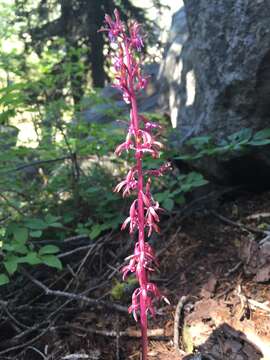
[(140, 139)]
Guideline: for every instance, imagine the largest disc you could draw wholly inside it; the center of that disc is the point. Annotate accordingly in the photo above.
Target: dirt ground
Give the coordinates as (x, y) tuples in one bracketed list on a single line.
[(227, 313), (214, 263)]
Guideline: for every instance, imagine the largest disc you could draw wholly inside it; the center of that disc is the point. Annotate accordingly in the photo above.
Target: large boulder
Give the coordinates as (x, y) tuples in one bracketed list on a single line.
[(216, 79)]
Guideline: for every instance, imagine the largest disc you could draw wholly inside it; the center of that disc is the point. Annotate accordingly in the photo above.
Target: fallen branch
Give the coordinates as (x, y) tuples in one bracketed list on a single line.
[(35, 163), (238, 224), (74, 251), (234, 269), (131, 333), (72, 296), (256, 304), (177, 318), (27, 343), (77, 238)]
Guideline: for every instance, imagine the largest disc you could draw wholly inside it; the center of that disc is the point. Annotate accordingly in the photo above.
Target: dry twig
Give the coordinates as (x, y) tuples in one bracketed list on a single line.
[(177, 318), (237, 224), (72, 296)]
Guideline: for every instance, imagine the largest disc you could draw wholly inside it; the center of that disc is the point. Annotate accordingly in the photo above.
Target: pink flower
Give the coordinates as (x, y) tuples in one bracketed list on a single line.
[(135, 36), (135, 304), (132, 220), (141, 139), (127, 145), (151, 217), (129, 184), (160, 171), (115, 28)]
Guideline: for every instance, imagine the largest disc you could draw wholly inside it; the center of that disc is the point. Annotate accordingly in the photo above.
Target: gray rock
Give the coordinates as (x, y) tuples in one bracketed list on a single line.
[(230, 49), (174, 69), (112, 105), (216, 74), (103, 113)]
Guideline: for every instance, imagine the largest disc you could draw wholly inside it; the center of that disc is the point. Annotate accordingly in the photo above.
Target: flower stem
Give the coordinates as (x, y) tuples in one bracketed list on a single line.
[(143, 280)]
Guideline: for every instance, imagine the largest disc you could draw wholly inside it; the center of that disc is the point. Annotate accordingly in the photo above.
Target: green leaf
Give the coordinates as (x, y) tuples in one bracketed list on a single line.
[(56, 225), (11, 264), (259, 142), (20, 248), (3, 279), (262, 134), (168, 204), (160, 197), (50, 219), (95, 231), (48, 249), (180, 200), (52, 261), (199, 141), (36, 224), (31, 258), (20, 234), (8, 247), (36, 233), (185, 157), (242, 136)]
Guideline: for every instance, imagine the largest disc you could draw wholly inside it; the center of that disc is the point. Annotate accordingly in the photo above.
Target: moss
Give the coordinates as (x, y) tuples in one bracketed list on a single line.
[(187, 339), (122, 290)]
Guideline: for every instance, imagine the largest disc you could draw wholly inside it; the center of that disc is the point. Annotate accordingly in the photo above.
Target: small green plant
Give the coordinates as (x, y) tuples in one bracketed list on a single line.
[(173, 189), (18, 246), (239, 142)]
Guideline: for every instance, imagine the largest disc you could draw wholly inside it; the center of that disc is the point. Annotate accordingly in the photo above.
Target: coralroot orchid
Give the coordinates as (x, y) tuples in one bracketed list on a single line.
[(143, 213)]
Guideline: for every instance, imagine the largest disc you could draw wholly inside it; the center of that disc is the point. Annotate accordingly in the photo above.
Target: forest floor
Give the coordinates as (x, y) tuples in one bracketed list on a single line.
[(214, 263)]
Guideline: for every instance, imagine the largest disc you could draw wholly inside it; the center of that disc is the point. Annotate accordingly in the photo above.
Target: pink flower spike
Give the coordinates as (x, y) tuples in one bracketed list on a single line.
[(143, 213)]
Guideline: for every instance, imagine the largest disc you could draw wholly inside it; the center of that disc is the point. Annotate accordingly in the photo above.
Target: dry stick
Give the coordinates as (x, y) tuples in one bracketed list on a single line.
[(160, 252), (157, 334), (78, 249), (100, 242), (94, 302), (37, 326), (256, 304), (237, 224), (177, 317), (35, 163), (4, 304), (37, 351), (77, 238), (117, 339), (252, 303), (234, 269), (92, 248), (30, 342)]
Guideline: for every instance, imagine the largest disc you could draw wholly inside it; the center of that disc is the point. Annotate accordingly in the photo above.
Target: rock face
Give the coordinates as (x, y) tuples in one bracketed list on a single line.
[(216, 72)]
